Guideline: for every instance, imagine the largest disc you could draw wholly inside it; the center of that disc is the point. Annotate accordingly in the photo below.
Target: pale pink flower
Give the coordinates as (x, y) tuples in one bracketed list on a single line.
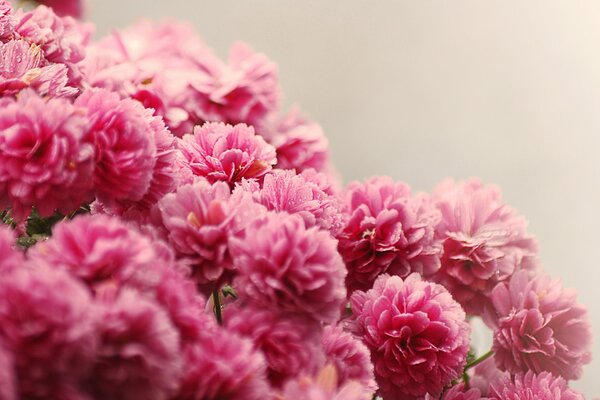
[(387, 230), (221, 152), (138, 355), (46, 322), (542, 386), (350, 356), (125, 146), (282, 264), (323, 387), (12, 257), (46, 159), (7, 21), (539, 326), (290, 343), (416, 332), (485, 241), (458, 392), (483, 374), (73, 8), (200, 218), (224, 366), (301, 194), (8, 379)]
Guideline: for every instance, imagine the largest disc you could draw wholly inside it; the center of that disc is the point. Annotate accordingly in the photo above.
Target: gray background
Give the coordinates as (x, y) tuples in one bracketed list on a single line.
[(507, 91)]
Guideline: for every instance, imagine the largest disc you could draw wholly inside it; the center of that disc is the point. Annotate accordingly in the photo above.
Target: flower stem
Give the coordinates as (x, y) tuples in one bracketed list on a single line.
[(479, 360), (217, 306)]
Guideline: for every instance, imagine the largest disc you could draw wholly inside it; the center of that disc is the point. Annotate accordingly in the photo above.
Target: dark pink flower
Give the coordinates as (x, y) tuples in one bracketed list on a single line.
[(417, 334), (46, 322), (542, 386), (290, 343), (125, 146), (12, 257), (73, 8), (138, 355), (224, 366), (350, 356), (200, 218), (221, 152), (282, 264), (485, 241), (539, 326), (387, 230), (8, 379), (46, 160)]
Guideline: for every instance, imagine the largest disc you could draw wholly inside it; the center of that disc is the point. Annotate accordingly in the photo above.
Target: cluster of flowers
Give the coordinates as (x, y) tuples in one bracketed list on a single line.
[(171, 234)]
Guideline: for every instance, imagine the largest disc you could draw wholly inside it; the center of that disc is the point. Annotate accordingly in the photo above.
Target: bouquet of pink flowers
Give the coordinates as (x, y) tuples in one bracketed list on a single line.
[(169, 233)]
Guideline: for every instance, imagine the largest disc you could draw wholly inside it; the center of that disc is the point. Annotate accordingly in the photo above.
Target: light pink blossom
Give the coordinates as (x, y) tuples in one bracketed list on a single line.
[(284, 265), (7, 21), (539, 326), (485, 241), (323, 387), (416, 332), (12, 257), (458, 392), (542, 386), (387, 230)]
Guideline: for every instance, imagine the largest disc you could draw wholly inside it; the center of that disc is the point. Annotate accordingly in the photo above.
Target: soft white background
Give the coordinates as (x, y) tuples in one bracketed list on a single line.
[(507, 91)]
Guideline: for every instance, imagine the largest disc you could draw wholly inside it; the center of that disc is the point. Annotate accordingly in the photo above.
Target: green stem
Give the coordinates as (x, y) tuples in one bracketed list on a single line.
[(479, 360), (217, 307)]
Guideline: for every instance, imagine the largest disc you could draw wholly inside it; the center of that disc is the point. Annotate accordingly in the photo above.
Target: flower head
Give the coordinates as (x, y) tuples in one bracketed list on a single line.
[(539, 326), (485, 241), (459, 392), (284, 265), (387, 230), (542, 386), (416, 332), (220, 152), (12, 257), (7, 21), (323, 387), (73, 8)]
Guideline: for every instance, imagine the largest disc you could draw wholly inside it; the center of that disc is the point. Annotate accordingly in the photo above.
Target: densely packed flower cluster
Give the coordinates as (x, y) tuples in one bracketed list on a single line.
[(169, 233)]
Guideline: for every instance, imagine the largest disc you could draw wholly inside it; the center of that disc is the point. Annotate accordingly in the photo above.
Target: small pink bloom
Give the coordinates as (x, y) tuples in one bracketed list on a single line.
[(290, 343), (73, 8), (350, 356), (46, 322), (138, 355), (485, 241), (539, 326), (323, 387), (12, 257), (125, 146), (485, 373), (46, 159), (417, 334), (221, 152), (458, 392), (282, 264), (7, 21), (542, 386), (387, 230)]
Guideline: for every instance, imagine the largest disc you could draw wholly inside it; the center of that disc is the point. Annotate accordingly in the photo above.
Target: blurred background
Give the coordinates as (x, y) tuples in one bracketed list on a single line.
[(505, 91)]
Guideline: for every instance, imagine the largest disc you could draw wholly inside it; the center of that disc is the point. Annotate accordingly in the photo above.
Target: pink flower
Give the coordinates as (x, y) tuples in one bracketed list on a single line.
[(73, 8), (138, 356), (300, 143), (458, 392), (7, 376), (199, 219), (12, 258), (485, 241), (538, 326), (125, 146), (290, 343), (324, 387), (284, 265), (46, 160), (485, 373), (416, 332), (224, 366), (542, 386), (7, 21), (387, 230), (45, 320), (221, 152), (301, 194), (351, 358)]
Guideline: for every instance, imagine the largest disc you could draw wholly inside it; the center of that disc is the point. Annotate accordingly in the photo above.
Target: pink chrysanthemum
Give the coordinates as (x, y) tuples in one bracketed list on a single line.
[(7, 376), (12, 257), (539, 326), (221, 152), (224, 366), (45, 319), (290, 343), (350, 357), (416, 332), (323, 387), (458, 392), (483, 374), (485, 241), (387, 230), (45, 160), (73, 8), (138, 355), (542, 386), (301, 194), (125, 146), (300, 143), (7, 21), (199, 219), (283, 265)]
